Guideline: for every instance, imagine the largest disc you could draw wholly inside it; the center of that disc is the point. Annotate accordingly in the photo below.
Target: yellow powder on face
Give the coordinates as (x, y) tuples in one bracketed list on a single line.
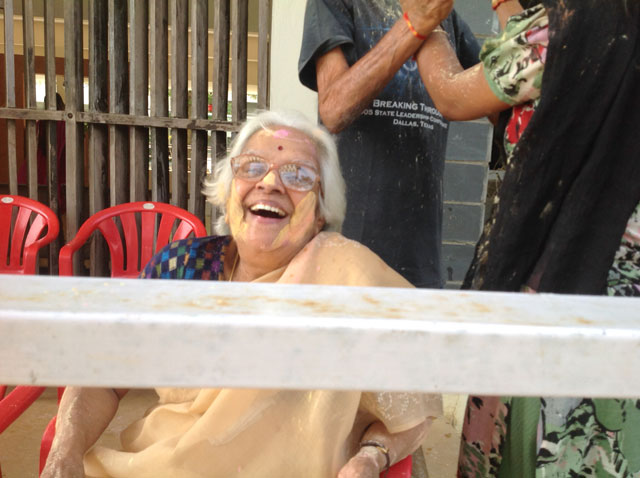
[(301, 222), (235, 214), (297, 230), (270, 178)]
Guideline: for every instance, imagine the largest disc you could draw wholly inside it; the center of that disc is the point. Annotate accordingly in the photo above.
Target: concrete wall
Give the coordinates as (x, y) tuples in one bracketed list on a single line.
[(466, 168), (286, 92), (465, 182)]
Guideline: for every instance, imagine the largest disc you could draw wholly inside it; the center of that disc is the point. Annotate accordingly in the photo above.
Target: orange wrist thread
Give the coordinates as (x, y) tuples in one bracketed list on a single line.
[(413, 30), (496, 3)]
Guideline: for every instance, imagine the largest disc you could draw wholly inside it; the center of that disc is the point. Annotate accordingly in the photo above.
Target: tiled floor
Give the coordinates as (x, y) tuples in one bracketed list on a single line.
[(443, 441)]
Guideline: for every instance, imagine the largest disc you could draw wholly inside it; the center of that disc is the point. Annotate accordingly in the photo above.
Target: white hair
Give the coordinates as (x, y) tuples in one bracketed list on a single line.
[(332, 199)]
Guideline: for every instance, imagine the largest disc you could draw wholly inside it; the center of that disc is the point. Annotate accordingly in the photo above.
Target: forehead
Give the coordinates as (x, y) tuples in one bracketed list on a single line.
[(281, 141)]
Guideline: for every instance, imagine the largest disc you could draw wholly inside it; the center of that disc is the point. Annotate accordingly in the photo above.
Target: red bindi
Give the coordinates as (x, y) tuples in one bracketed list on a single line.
[(280, 148)]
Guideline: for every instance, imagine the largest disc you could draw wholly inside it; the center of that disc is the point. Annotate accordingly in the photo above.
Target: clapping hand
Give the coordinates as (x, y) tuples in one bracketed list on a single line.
[(425, 15)]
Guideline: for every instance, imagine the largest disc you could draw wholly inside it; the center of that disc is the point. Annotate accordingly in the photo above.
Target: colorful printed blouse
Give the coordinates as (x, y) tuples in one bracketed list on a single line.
[(513, 66), (193, 258)]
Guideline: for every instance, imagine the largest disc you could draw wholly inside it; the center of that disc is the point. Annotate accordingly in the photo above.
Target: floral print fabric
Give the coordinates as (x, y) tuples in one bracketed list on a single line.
[(577, 437), (624, 275), (513, 66), (484, 432), (590, 438)]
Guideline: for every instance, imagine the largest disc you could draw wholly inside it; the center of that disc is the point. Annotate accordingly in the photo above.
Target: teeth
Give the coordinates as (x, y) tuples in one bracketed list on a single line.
[(265, 207)]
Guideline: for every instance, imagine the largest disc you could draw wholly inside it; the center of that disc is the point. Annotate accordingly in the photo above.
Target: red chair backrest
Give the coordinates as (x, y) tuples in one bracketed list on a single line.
[(139, 244), (20, 239), (22, 233)]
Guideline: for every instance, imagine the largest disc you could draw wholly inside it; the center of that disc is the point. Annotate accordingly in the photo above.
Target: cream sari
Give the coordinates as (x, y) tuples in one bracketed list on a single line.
[(268, 433)]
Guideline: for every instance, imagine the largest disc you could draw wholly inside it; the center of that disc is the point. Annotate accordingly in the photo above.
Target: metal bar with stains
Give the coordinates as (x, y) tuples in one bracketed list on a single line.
[(140, 333)]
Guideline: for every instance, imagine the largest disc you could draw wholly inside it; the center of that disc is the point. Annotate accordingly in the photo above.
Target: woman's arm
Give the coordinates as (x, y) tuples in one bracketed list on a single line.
[(506, 10), (459, 94), (83, 415), (371, 460)]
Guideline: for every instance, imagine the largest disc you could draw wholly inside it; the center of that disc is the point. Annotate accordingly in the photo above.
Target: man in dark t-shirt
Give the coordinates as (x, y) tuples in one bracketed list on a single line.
[(391, 139)]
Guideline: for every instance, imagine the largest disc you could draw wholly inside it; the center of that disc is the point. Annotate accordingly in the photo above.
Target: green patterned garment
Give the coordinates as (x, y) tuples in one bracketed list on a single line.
[(551, 438), (514, 61), (513, 67), (624, 275)]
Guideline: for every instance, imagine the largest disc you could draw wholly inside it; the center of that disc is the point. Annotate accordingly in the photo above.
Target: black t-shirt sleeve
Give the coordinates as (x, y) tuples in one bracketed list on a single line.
[(327, 24)]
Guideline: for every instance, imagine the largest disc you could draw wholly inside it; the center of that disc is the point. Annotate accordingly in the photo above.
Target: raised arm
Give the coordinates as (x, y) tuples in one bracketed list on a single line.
[(344, 92), (371, 460), (457, 93), (83, 416)]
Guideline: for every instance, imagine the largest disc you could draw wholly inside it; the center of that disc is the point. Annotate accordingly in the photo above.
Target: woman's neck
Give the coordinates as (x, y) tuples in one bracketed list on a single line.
[(244, 272), (248, 267)]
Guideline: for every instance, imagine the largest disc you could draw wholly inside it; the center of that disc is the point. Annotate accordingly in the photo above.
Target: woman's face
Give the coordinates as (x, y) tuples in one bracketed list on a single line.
[(266, 215)]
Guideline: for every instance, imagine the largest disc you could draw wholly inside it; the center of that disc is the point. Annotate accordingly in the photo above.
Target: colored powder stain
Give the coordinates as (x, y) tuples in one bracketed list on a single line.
[(270, 178), (300, 223), (286, 134), (235, 214), (281, 133)]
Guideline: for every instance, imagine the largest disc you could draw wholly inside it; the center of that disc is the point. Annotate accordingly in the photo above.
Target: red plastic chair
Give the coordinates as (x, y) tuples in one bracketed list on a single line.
[(25, 227), (14, 404), (20, 240), (402, 469), (139, 244)]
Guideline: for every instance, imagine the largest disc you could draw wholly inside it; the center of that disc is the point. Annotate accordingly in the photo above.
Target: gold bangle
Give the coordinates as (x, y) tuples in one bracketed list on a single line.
[(440, 30), (380, 447)]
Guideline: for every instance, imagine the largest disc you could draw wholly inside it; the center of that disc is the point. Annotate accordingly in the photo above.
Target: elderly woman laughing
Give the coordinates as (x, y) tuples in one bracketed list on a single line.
[(282, 200)]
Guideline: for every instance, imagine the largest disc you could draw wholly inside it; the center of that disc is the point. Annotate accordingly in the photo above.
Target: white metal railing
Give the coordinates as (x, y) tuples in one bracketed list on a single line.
[(148, 333)]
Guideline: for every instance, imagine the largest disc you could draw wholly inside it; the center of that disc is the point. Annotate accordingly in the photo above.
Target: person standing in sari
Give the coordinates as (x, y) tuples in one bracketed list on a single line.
[(566, 218)]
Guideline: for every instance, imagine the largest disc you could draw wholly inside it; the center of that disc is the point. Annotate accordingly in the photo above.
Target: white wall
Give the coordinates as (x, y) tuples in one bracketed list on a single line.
[(286, 35)]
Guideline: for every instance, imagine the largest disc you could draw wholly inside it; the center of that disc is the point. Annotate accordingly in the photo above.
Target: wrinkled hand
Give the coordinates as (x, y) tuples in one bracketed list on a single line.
[(363, 465), (426, 14)]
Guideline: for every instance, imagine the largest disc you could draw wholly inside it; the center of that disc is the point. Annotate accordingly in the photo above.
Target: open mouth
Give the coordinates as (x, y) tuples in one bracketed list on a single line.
[(270, 212)]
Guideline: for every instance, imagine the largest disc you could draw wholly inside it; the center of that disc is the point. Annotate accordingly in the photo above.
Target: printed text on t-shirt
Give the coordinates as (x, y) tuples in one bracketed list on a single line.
[(407, 114)]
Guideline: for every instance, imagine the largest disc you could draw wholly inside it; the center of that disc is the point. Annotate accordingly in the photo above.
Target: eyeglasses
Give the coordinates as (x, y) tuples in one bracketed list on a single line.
[(296, 176)]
